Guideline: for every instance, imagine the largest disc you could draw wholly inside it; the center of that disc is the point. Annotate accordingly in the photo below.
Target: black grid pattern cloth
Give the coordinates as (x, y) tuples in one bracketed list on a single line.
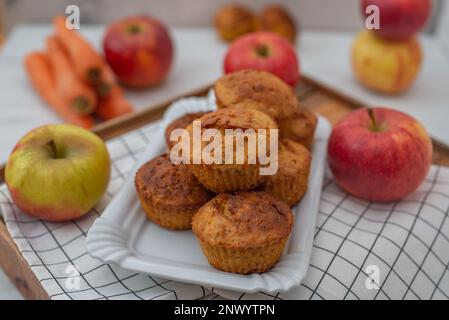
[(362, 250)]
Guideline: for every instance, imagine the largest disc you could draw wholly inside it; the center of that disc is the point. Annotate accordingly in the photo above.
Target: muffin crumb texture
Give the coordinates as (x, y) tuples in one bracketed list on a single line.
[(223, 177), (169, 193), (290, 182), (255, 89), (244, 232)]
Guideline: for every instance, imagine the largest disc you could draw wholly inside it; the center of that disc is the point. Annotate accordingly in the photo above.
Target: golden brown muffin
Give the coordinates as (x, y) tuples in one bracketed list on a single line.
[(243, 233), (276, 19), (290, 182), (300, 126), (259, 90), (180, 123), (232, 21), (227, 176), (169, 194)]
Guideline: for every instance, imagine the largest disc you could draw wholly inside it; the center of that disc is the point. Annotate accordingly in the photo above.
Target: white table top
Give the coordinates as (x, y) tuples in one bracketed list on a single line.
[(198, 62)]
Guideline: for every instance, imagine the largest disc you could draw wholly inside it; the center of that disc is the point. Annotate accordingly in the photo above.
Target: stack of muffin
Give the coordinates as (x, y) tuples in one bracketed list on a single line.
[(241, 218), (233, 21)]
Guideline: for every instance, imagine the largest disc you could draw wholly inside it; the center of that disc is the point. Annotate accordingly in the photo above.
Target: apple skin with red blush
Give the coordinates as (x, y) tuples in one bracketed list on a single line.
[(266, 51), (399, 19), (139, 50), (379, 154)]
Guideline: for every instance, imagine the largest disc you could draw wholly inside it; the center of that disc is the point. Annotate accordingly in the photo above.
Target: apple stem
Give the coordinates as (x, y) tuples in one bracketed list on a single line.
[(372, 116), (262, 50), (134, 29), (52, 146)]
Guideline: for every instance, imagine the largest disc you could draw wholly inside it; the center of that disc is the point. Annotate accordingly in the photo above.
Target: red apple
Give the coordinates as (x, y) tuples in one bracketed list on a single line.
[(379, 154), (139, 50), (399, 19), (264, 51)]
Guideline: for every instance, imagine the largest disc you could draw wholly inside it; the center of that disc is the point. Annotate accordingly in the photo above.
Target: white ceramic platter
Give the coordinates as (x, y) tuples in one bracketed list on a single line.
[(124, 236)]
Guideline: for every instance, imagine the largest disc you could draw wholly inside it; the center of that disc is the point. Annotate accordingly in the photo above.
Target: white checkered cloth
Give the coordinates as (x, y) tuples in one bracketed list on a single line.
[(362, 250)]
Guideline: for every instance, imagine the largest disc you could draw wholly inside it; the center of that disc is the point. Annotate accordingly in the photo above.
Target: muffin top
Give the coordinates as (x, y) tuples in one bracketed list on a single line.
[(306, 116), (245, 118), (180, 123), (301, 122), (162, 182), (234, 20), (293, 158), (259, 90), (235, 118), (275, 18), (243, 220)]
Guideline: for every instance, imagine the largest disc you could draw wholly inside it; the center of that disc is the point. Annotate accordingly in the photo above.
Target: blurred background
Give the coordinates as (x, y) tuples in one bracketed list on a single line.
[(310, 15), (343, 15)]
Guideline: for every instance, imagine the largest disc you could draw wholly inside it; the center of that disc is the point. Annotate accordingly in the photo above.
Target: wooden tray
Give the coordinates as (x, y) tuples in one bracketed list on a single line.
[(313, 95)]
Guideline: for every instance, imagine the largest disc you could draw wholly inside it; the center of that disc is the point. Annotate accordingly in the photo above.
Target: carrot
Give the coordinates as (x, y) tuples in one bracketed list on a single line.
[(88, 64), (106, 83), (78, 95), (113, 105), (37, 66)]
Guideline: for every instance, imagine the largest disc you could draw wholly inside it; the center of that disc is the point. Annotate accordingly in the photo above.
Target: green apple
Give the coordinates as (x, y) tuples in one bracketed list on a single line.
[(58, 172)]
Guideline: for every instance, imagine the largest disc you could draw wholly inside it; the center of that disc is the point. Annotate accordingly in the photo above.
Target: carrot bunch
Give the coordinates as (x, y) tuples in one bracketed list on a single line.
[(73, 79)]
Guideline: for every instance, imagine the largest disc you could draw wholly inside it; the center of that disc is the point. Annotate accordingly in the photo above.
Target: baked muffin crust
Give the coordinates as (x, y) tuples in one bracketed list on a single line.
[(170, 194), (276, 19), (227, 177), (243, 220), (180, 123), (244, 232), (290, 182), (232, 21), (254, 89), (237, 119), (300, 126)]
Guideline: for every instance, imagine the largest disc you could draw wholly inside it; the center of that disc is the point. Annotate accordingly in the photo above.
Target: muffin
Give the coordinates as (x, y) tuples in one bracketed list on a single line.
[(276, 19), (290, 181), (180, 123), (300, 126), (259, 90), (243, 233), (169, 194), (232, 170), (233, 21)]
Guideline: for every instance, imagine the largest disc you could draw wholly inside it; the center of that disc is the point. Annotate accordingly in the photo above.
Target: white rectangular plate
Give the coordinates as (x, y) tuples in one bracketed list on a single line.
[(123, 235)]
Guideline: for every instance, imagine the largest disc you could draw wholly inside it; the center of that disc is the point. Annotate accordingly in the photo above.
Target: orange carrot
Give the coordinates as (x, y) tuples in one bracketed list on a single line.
[(88, 64), (106, 83), (114, 105), (73, 91), (37, 66)]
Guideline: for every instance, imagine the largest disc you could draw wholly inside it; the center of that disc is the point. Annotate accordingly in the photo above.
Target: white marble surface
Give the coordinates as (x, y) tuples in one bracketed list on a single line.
[(199, 54)]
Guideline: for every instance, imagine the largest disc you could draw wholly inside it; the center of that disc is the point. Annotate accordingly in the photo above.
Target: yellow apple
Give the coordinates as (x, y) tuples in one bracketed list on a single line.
[(383, 65), (58, 172)]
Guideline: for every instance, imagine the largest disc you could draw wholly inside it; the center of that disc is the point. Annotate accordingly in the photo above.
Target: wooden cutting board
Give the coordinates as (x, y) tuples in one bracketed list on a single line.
[(325, 101)]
